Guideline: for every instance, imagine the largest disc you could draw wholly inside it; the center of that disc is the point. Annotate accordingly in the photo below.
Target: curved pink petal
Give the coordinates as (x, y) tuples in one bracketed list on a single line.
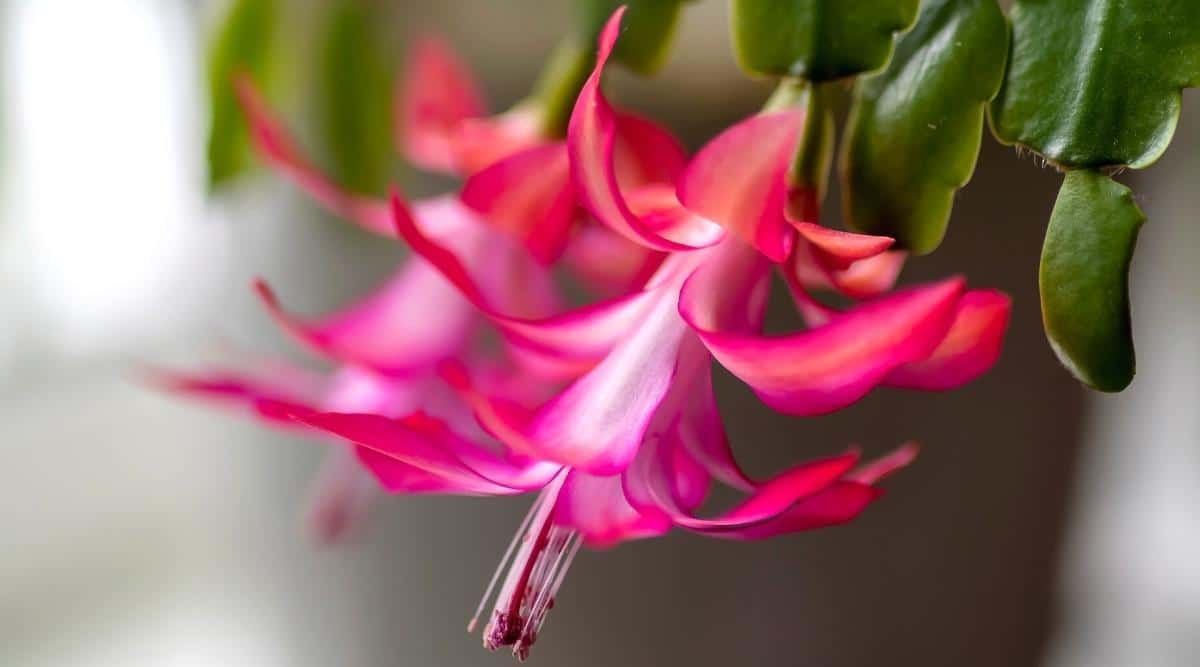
[(840, 248), (339, 497), (649, 477), (701, 433), (243, 389), (413, 321), (596, 507), (607, 262), (276, 145), (400, 478), (841, 503), (875, 471), (739, 179), (592, 147), (827, 368), (529, 196), (645, 152), (565, 345), (870, 276), (969, 349), (435, 96), (427, 443), (600, 420)]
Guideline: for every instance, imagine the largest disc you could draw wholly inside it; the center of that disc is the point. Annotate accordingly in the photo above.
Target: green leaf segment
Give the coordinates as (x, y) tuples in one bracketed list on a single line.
[(243, 42), (817, 40), (1085, 261), (915, 129), (1094, 84)]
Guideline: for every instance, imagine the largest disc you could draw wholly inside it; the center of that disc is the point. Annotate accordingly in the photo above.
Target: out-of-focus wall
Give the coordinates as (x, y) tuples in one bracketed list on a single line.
[(145, 531)]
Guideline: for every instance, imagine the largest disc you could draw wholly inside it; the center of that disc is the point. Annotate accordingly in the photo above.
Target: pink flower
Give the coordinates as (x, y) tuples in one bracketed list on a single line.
[(607, 411), (630, 446)]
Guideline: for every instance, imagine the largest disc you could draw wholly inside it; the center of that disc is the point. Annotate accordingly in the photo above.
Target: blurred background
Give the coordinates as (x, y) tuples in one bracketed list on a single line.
[(1043, 525)]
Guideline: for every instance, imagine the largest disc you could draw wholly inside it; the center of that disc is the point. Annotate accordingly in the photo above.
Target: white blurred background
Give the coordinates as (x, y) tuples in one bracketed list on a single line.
[(139, 530)]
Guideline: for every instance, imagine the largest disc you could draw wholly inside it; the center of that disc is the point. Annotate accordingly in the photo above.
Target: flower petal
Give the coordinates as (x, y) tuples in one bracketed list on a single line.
[(436, 95), (645, 152), (650, 477), (701, 433), (827, 368), (870, 276), (596, 507), (339, 497), (738, 180), (841, 503), (276, 145), (969, 349), (607, 262), (413, 321), (563, 345), (600, 420), (592, 138), (429, 444), (529, 196), (841, 249)]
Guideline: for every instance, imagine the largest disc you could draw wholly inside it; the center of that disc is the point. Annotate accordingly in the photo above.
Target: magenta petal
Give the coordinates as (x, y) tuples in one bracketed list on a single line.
[(969, 349), (592, 138), (600, 420), (597, 508), (276, 145), (862, 278), (607, 262), (427, 443), (529, 196), (413, 321), (645, 152), (874, 471), (739, 181), (827, 368), (840, 248), (339, 497), (766, 501), (701, 433), (436, 95), (563, 345), (840, 503)]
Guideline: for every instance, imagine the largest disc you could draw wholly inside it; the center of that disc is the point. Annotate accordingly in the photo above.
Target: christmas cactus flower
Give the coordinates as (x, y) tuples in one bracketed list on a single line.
[(630, 445)]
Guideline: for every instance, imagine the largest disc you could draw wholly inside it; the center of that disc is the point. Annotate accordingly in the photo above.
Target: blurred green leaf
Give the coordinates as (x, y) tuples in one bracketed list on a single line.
[(354, 95), (1084, 279), (646, 34), (1095, 83), (915, 128), (243, 42), (819, 40)]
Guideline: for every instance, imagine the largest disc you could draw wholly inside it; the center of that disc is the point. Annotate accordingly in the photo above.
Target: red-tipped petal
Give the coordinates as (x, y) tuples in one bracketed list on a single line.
[(428, 444), (600, 420), (841, 503), (829, 367), (645, 152), (609, 263), (527, 195), (565, 345), (276, 145), (592, 147), (413, 321), (436, 95), (596, 507), (841, 249), (969, 349), (739, 181)]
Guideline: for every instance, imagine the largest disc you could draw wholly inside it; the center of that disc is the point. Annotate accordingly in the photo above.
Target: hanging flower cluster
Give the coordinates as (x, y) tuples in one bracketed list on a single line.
[(606, 412)]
